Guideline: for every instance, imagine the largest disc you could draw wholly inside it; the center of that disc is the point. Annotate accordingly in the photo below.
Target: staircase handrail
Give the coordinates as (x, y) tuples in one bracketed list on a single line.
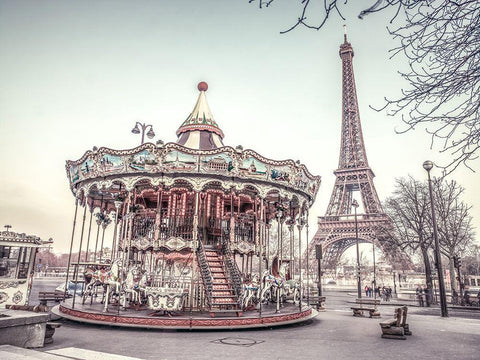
[(232, 271), (206, 273)]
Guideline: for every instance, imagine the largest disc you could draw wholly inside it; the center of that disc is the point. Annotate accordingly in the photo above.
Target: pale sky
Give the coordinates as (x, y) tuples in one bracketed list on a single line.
[(78, 74)]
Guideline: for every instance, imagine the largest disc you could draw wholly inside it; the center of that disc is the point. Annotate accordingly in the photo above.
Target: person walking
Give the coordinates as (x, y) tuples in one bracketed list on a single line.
[(419, 294)]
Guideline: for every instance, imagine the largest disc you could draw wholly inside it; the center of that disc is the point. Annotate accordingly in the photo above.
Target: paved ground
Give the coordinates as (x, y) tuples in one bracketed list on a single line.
[(334, 334)]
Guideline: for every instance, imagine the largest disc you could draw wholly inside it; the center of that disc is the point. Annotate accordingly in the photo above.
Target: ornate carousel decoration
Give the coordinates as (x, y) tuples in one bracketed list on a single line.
[(197, 226)]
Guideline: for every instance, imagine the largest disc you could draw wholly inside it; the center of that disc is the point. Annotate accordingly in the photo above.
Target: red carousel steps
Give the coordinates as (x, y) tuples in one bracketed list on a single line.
[(223, 295)]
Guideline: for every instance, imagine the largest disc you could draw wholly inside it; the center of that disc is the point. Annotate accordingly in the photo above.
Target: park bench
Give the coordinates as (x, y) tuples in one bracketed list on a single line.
[(45, 296), (369, 305), (397, 327), (317, 302)]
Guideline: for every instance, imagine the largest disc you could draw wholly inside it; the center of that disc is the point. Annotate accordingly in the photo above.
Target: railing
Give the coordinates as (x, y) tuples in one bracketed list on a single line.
[(178, 226), (144, 225), (206, 273), (172, 226), (232, 270)]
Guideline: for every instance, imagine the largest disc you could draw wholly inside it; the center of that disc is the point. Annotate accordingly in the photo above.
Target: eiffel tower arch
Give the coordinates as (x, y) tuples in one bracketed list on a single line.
[(337, 230)]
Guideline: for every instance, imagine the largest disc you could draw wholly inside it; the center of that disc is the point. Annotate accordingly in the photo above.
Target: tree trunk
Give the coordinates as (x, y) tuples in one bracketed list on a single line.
[(453, 281), (428, 275)]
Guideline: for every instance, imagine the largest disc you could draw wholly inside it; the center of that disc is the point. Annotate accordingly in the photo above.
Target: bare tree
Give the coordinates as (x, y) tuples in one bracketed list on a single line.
[(454, 223), (409, 209), (440, 40)]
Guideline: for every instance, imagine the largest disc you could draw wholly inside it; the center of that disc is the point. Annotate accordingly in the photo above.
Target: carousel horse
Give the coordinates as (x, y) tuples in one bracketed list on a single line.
[(274, 284), (108, 279), (292, 290), (250, 291), (135, 282)]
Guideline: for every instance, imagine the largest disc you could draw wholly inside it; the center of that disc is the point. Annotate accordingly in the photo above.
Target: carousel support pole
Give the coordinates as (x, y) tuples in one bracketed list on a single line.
[(260, 252), (158, 215), (75, 273), (71, 246), (299, 227), (194, 250), (118, 204), (292, 251), (104, 226), (99, 222), (31, 270), (232, 217), (96, 240), (279, 237), (308, 266), (89, 232), (268, 246), (130, 232)]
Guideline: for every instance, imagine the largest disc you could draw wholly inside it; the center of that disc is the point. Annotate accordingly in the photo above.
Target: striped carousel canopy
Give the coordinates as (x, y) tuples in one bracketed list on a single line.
[(199, 130)]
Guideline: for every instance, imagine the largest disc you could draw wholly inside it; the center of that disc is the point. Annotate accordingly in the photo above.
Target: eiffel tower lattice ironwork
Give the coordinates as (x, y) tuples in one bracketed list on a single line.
[(336, 230)]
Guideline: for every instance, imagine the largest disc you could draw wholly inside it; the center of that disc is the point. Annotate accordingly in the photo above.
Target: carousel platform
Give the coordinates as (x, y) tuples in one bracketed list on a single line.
[(186, 320)]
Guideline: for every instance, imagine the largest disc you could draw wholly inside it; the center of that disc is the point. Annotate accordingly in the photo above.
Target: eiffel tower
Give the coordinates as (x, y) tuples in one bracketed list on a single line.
[(336, 230)]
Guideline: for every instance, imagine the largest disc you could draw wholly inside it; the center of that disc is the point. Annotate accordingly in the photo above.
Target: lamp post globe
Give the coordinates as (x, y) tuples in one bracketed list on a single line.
[(136, 130), (428, 165)]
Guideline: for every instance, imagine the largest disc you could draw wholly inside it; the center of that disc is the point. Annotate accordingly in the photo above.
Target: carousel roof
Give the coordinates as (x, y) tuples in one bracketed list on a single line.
[(199, 130), (197, 158), (10, 238)]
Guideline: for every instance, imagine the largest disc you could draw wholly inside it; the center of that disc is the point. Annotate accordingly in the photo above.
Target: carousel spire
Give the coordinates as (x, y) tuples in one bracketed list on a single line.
[(199, 130)]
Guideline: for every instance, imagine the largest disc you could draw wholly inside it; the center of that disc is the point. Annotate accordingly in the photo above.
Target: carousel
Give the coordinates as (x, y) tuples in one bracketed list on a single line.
[(190, 234), (17, 260)]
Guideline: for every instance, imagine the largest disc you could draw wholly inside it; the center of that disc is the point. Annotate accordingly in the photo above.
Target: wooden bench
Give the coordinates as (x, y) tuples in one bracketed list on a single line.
[(317, 301), (369, 305), (45, 296), (397, 327)]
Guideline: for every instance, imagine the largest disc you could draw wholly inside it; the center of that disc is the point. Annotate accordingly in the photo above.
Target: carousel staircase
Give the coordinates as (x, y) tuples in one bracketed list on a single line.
[(223, 298)]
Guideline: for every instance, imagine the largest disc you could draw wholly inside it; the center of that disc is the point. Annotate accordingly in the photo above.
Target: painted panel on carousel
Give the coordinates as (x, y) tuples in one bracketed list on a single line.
[(281, 174), (179, 161), (111, 163), (87, 168), (144, 161), (13, 292), (252, 167), (221, 163), (301, 180), (74, 173)]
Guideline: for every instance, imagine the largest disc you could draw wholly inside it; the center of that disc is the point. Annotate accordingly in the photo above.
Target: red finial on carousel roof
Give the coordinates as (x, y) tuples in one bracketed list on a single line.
[(202, 86)]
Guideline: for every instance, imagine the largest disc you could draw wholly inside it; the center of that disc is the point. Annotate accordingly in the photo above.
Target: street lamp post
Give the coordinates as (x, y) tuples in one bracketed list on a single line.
[(374, 273), (143, 127), (428, 165), (359, 285)]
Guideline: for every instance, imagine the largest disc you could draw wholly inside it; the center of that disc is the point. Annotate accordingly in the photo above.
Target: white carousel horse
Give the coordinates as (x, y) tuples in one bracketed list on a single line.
[(272, 286), (292, 290), (109, 279), (250, 291), (135, 282)]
